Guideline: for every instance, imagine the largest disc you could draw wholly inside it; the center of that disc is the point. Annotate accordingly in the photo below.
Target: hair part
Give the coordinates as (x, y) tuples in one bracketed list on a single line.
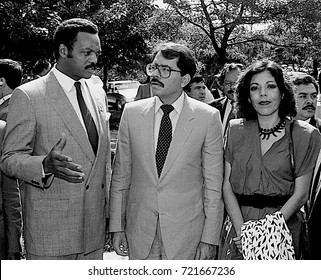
[(11, 71), (245, 108), (68, 30)]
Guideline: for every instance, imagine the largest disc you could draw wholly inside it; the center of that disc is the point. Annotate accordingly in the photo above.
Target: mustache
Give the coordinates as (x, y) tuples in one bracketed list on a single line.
[(308, 107), (92, 65), (156, 81)]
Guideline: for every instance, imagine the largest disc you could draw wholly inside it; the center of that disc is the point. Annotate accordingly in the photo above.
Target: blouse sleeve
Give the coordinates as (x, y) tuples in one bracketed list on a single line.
[(307, 143), (230, 138)]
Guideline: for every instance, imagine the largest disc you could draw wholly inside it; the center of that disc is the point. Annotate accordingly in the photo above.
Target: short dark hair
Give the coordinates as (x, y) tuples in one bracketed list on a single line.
[(305, 79), (227, 68), (186, 62), (245, 108), (68, 30), (40, 65), (12, 72), (196, 79)]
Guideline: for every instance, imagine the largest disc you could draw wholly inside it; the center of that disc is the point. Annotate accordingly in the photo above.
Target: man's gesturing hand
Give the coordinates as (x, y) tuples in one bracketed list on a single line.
[(61, 165)]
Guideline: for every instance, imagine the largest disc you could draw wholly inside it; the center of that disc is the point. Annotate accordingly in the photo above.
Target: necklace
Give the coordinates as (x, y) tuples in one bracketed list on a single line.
[(266, 133)]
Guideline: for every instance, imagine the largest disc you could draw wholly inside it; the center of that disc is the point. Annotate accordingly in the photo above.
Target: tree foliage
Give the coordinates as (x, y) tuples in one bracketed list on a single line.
[(235, 27), (27, 28), (216, 30)]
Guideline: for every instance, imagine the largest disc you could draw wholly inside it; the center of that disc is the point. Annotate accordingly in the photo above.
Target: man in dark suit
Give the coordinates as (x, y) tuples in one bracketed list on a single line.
[(10, 214), (57, 144), (314, 213), (228, 79), (306, 93), (10, 78), (10, 204)]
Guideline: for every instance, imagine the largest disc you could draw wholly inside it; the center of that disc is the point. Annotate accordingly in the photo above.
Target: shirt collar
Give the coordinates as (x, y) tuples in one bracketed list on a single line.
[(178, 104), (66, 82)]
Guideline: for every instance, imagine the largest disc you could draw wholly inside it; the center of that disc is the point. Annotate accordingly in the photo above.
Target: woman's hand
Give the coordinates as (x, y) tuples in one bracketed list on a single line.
[(237, 241)]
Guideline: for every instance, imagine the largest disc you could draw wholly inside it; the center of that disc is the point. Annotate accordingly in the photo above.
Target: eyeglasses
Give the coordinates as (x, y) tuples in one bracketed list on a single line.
[(163, 70)]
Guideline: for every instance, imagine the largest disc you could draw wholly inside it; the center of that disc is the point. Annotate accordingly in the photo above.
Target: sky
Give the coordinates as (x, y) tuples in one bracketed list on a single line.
[(159, 3)]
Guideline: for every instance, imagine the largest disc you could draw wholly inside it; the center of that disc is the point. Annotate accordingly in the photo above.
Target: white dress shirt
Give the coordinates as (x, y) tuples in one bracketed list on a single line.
[(68, 86), (227, 112), (174, 115)]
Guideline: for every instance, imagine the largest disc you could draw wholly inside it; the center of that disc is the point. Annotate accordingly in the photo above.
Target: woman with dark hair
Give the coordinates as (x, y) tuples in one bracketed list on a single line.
[(268, 161)]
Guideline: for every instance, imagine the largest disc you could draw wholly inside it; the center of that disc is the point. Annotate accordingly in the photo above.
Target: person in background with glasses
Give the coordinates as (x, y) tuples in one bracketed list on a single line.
[(228, 79), (166, 197)]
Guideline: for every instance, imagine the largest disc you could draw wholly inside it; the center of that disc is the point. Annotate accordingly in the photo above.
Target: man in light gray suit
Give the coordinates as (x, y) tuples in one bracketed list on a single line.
[(166, 198), (57, 145)]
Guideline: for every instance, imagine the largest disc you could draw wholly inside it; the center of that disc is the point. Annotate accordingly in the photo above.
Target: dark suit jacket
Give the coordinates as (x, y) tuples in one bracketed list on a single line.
[(315, 208), (316, 122), (10, 214), (143, 92), (4, 110)]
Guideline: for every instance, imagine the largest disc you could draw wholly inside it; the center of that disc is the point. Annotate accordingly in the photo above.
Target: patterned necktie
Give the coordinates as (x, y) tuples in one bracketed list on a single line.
[(87, 118), (164, 138)]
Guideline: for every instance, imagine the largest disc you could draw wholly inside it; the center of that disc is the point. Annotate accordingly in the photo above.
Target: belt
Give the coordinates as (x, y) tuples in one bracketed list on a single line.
[(262, 201)]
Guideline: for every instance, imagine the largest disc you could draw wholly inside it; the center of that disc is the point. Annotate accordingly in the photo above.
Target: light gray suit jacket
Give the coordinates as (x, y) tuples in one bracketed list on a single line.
[(187, 197), (65, 218)]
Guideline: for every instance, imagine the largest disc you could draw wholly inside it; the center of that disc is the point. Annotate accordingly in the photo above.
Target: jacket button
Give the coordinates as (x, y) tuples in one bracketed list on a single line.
[(87, 187), (102, 186)]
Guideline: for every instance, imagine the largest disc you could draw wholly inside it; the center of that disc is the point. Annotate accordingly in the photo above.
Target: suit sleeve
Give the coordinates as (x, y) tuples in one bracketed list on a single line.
[(12, 213), (121, 177), (19, 140), (212, 161)]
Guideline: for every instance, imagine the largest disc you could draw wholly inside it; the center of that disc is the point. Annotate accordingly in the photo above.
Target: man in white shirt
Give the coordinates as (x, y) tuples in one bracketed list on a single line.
[(57, 144), (166, 198)]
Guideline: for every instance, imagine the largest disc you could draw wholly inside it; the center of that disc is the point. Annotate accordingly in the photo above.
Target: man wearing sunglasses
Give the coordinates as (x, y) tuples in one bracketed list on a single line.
[(166, 200)]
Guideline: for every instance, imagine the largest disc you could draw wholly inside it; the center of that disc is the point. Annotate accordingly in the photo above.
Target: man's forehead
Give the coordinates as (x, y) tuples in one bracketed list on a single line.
[(305, 89)]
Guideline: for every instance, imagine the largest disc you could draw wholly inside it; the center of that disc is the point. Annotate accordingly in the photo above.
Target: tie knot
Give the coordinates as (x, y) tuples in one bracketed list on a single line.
[(167, 109), (77, 86)]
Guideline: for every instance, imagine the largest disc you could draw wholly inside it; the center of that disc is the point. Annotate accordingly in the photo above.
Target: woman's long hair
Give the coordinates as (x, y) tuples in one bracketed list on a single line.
[(245, 108)]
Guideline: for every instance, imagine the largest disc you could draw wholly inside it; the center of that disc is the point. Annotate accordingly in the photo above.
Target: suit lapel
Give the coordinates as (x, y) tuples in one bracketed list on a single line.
[(224, 105), (100, 111), (183, 129), (147, 135), (60, 102)]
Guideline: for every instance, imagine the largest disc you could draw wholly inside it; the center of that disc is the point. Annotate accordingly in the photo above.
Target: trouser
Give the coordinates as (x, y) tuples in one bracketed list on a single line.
[(95, 255)]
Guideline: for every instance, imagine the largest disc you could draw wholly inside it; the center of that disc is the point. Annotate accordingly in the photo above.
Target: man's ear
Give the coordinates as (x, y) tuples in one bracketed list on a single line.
[(2, 82), (185, 80), (63, 51)]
